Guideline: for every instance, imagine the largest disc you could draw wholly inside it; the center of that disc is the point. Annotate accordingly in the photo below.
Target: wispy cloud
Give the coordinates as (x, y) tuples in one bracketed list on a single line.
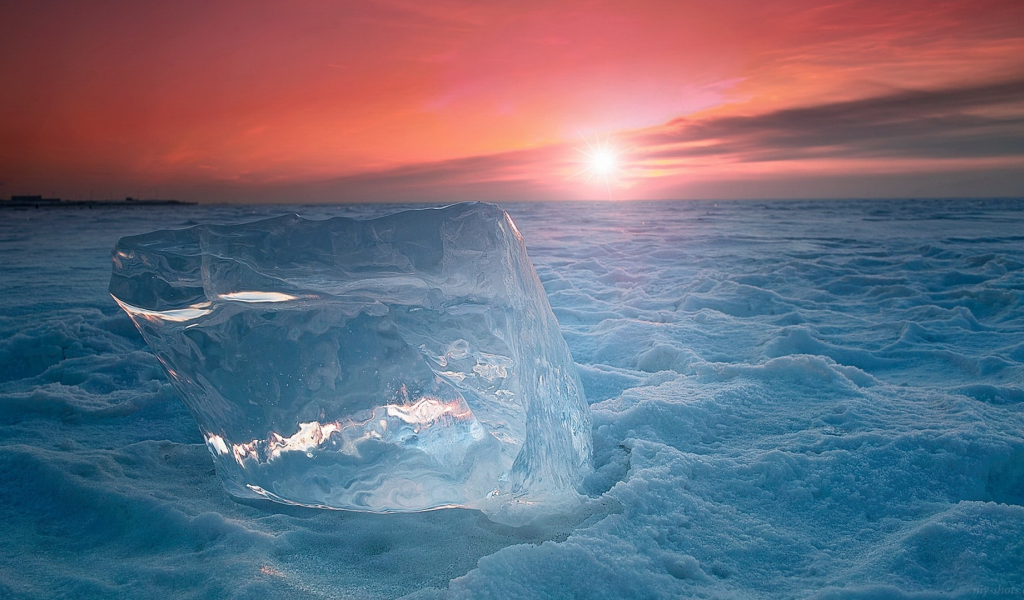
[(977, 121)]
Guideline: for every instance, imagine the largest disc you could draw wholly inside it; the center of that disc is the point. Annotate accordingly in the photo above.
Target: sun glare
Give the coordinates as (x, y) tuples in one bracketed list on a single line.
[(604, 162), (600, 162)]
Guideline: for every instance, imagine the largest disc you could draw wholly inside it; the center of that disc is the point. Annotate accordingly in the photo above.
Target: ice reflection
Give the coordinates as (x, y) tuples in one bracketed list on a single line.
[(427, 410), (178, 315), (217, 443), (392, 423), (201, 309), (257, 297)]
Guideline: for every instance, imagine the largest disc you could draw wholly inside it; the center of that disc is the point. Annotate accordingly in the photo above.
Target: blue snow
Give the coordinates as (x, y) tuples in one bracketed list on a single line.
[(791, 399)]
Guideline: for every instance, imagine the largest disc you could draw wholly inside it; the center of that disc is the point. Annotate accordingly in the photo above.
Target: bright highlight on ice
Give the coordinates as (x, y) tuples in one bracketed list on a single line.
[(257, 297)]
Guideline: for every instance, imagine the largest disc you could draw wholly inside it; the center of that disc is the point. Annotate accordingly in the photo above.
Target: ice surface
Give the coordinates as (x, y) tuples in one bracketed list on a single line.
[(790, 400), (403, 363)]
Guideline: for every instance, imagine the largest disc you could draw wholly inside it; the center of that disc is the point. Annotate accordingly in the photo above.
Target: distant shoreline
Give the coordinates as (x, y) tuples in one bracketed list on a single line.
[(37, 202)]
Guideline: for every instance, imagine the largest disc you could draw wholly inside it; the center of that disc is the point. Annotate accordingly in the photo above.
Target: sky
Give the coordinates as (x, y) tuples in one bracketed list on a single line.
[(317, 101)]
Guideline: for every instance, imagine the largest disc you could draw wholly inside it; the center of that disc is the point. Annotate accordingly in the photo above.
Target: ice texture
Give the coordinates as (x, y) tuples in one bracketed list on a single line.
[(403, 363)]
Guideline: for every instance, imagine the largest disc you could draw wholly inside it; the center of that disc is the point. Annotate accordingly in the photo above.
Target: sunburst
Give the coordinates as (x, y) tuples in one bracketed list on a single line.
[(601, 160)]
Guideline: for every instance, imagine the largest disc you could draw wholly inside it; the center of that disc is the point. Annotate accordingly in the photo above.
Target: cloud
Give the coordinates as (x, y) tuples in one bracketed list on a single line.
[(506, 176), (962, 141), (960, 133), (966, 122)]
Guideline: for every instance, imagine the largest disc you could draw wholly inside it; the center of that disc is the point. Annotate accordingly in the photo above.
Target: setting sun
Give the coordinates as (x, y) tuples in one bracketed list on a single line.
[(601, 162)]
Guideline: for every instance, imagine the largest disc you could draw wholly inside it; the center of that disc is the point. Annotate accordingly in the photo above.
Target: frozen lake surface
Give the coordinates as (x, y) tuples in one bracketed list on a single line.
[(790, 400)]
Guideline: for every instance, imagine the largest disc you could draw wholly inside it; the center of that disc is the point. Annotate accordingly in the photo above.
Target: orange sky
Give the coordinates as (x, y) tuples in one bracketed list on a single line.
[(395, 100)]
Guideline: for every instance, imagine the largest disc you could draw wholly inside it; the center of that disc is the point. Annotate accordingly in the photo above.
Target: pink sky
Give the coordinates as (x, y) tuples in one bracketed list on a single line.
[(394, 100)]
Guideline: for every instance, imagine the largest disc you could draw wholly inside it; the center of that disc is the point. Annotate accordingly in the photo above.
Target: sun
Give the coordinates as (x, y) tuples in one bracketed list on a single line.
[(600, 162), (603, 162)]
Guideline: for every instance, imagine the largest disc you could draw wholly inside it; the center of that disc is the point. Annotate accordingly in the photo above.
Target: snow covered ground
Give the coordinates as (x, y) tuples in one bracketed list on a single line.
[(790, 399)]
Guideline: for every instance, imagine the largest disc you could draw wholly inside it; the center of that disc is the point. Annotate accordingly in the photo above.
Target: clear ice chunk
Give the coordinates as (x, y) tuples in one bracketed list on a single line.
[(403, 363)]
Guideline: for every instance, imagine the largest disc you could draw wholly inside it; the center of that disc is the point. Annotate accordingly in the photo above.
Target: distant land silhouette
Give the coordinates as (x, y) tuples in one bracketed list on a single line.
[(37, 202)]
